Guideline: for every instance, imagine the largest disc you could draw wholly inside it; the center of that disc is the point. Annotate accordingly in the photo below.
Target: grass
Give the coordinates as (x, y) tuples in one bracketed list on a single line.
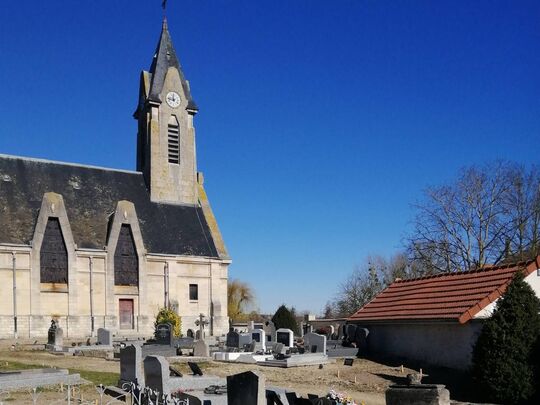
[(96, 377)]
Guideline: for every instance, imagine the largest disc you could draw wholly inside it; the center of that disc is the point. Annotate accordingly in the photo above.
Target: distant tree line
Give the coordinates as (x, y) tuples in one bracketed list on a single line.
[(488, 215)]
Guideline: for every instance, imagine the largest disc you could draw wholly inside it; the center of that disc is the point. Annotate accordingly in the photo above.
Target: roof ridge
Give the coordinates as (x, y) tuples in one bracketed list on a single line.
[(58, 162), (486, 268)]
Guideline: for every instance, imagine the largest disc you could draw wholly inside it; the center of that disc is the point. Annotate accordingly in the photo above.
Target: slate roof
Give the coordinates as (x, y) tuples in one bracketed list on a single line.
[(164, 58), (90, 196), (449, 296)]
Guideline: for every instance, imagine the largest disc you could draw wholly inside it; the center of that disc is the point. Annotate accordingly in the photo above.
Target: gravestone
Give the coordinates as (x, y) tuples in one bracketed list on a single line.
[(312, 340), (195, 368), (156, 374), (200, 349), (348, 362), (244, 339), (285, 336), (270, 331), (279, 348), (259, 337), (104, 337), (131, 365), (360, 338), (246, 389), (341, 331), (55, 336), (331, 331), (164, 334), (251, 326), (191, 400), (350, 332), (233, 339)]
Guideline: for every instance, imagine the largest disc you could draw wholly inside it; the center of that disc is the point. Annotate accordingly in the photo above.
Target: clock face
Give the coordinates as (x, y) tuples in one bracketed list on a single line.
[(173, 99)]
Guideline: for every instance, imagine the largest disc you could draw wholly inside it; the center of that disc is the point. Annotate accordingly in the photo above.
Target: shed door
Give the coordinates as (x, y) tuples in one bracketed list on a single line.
[(126, 314)]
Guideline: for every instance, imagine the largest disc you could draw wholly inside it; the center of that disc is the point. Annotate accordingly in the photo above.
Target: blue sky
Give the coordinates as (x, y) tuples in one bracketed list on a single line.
[(320, 123)]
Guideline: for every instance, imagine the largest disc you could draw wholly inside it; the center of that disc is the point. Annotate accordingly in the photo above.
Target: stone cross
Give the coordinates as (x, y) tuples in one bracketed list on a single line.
[(201, 323)]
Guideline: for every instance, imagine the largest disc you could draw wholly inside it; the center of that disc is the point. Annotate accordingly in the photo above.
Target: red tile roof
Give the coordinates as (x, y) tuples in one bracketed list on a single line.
[(449, 296)]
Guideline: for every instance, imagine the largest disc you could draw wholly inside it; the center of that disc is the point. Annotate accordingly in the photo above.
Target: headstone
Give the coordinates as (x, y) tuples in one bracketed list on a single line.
[(104, 337), (350, 332), (285, 336), (195, 368), (233, 339), (348, 362), (191, 400), (164, 334), (270, 331), (259, 337), (200, 349), (341, 331), (246, 388), (251, 326), (55, 336), (314, 339), (244, 339), (156, 374), (331, 331), (360, 338), (131, 365)]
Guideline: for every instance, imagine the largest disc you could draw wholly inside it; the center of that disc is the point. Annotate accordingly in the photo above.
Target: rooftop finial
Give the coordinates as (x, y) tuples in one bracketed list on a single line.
[(164, 7)]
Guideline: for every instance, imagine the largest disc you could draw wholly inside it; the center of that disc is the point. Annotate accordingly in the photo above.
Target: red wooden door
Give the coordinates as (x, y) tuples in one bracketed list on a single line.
[(126, 314)]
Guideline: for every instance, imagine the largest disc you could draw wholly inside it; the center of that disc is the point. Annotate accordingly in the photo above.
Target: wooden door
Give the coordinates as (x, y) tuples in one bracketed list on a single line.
[(126, 313)]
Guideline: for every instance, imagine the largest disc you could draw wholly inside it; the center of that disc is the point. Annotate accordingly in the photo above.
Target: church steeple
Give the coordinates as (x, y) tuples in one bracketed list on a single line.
[(164, 58), (166, 137)]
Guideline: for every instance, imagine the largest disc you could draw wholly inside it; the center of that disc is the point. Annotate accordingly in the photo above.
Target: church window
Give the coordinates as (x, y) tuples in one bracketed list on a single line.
[(193, 292), (53, 258), (126, 261), (173, 136)]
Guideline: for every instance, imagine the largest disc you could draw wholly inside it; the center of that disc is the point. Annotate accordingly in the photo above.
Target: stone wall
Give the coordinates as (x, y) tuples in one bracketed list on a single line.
[(442, 344)]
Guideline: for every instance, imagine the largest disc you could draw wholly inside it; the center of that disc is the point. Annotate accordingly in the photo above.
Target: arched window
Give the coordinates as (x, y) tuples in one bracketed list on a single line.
[(53, 258), (173, 136), (126, 261)]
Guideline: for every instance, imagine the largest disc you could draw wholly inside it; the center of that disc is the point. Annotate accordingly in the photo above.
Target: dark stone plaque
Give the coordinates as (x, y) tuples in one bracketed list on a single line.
[(164, 334), (348, 362)]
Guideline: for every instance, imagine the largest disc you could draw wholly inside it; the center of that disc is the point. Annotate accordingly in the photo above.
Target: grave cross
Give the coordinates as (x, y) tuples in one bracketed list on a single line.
[(201, 323)]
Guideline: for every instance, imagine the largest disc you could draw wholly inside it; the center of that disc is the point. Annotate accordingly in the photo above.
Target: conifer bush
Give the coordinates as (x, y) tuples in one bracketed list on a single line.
[(503, 358), (284, 318), (167, 315)]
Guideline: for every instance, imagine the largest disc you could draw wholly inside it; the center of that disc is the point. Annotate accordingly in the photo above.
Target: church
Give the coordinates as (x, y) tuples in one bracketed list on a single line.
[(95, 247)]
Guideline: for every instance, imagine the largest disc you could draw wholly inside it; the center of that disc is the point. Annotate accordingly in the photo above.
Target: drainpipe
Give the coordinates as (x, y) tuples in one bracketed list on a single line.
[(14, 263), (166, 281), (90, 267)]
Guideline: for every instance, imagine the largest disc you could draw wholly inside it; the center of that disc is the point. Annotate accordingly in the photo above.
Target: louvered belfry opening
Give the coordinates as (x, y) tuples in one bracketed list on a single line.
[(126, 261), (174, 143), (53, 257)]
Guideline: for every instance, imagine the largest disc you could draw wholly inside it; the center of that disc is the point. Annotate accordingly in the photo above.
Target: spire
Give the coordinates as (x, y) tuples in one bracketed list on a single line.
[(164, 58)]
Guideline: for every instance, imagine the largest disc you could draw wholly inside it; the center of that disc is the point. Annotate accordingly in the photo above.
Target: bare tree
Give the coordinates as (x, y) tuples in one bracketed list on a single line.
[(368, 279), (487, 215)]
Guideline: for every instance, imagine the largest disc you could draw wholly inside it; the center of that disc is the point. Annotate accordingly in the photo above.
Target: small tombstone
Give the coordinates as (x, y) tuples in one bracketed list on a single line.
[(233, 339), (341, 331), (55, 335), (244, 339), (331, 331), (251, 325), (104, 337), (246, 388), (259, 337), (360, 338), (190, 333), (348, 362), (350, 332), (315, 340), (156, 374), (195, 368), (285, 336), (164, 334), (270, 331), (200, 349), (131, 364), (191, 400)]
